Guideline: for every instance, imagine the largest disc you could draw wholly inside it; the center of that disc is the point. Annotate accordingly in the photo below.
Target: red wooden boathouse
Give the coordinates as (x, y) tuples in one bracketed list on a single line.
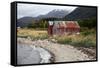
[(63, 27)]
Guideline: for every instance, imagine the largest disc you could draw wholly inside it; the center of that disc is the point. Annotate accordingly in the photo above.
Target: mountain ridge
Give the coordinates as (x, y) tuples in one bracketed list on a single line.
[(82, 13)]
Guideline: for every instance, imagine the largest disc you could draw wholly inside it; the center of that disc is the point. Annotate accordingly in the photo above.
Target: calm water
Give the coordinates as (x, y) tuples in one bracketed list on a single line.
[(27, 55)]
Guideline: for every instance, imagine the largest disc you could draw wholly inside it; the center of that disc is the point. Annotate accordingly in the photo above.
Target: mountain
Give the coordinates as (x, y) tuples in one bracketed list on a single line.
[(22, 22), (82, 13), (56, 13)]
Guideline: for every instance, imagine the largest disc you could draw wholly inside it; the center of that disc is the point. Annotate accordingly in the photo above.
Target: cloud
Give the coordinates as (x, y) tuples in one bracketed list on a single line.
[(33, 10)]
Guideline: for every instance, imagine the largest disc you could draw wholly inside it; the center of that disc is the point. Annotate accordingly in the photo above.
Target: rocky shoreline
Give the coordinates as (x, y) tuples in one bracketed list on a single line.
[(58, 52), (29, 54), (91, 52)]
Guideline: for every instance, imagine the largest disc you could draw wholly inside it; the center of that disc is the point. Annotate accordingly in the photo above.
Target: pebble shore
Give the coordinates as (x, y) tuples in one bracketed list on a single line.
[(61, 53)]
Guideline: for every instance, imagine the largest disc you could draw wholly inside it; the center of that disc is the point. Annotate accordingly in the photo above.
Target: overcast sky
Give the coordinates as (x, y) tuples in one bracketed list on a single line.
[(33, 10)]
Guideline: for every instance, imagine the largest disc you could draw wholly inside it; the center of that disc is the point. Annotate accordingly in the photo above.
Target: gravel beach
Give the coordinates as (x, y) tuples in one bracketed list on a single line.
[(61, 53), (28, 54)]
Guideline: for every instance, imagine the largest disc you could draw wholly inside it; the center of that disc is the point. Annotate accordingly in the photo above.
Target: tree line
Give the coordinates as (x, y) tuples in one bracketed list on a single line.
[(84, 23)]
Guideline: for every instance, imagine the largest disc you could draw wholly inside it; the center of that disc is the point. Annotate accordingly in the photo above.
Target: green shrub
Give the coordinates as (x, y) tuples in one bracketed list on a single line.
[(88, 32), (64, 40), (84, 43), (78, 40)]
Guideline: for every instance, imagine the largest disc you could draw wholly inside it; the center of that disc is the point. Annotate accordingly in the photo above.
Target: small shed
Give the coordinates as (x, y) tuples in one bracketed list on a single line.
[(63, 27)]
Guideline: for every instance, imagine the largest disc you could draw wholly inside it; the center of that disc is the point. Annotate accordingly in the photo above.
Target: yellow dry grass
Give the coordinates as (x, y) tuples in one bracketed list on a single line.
[(32, 33), (76, 40)]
